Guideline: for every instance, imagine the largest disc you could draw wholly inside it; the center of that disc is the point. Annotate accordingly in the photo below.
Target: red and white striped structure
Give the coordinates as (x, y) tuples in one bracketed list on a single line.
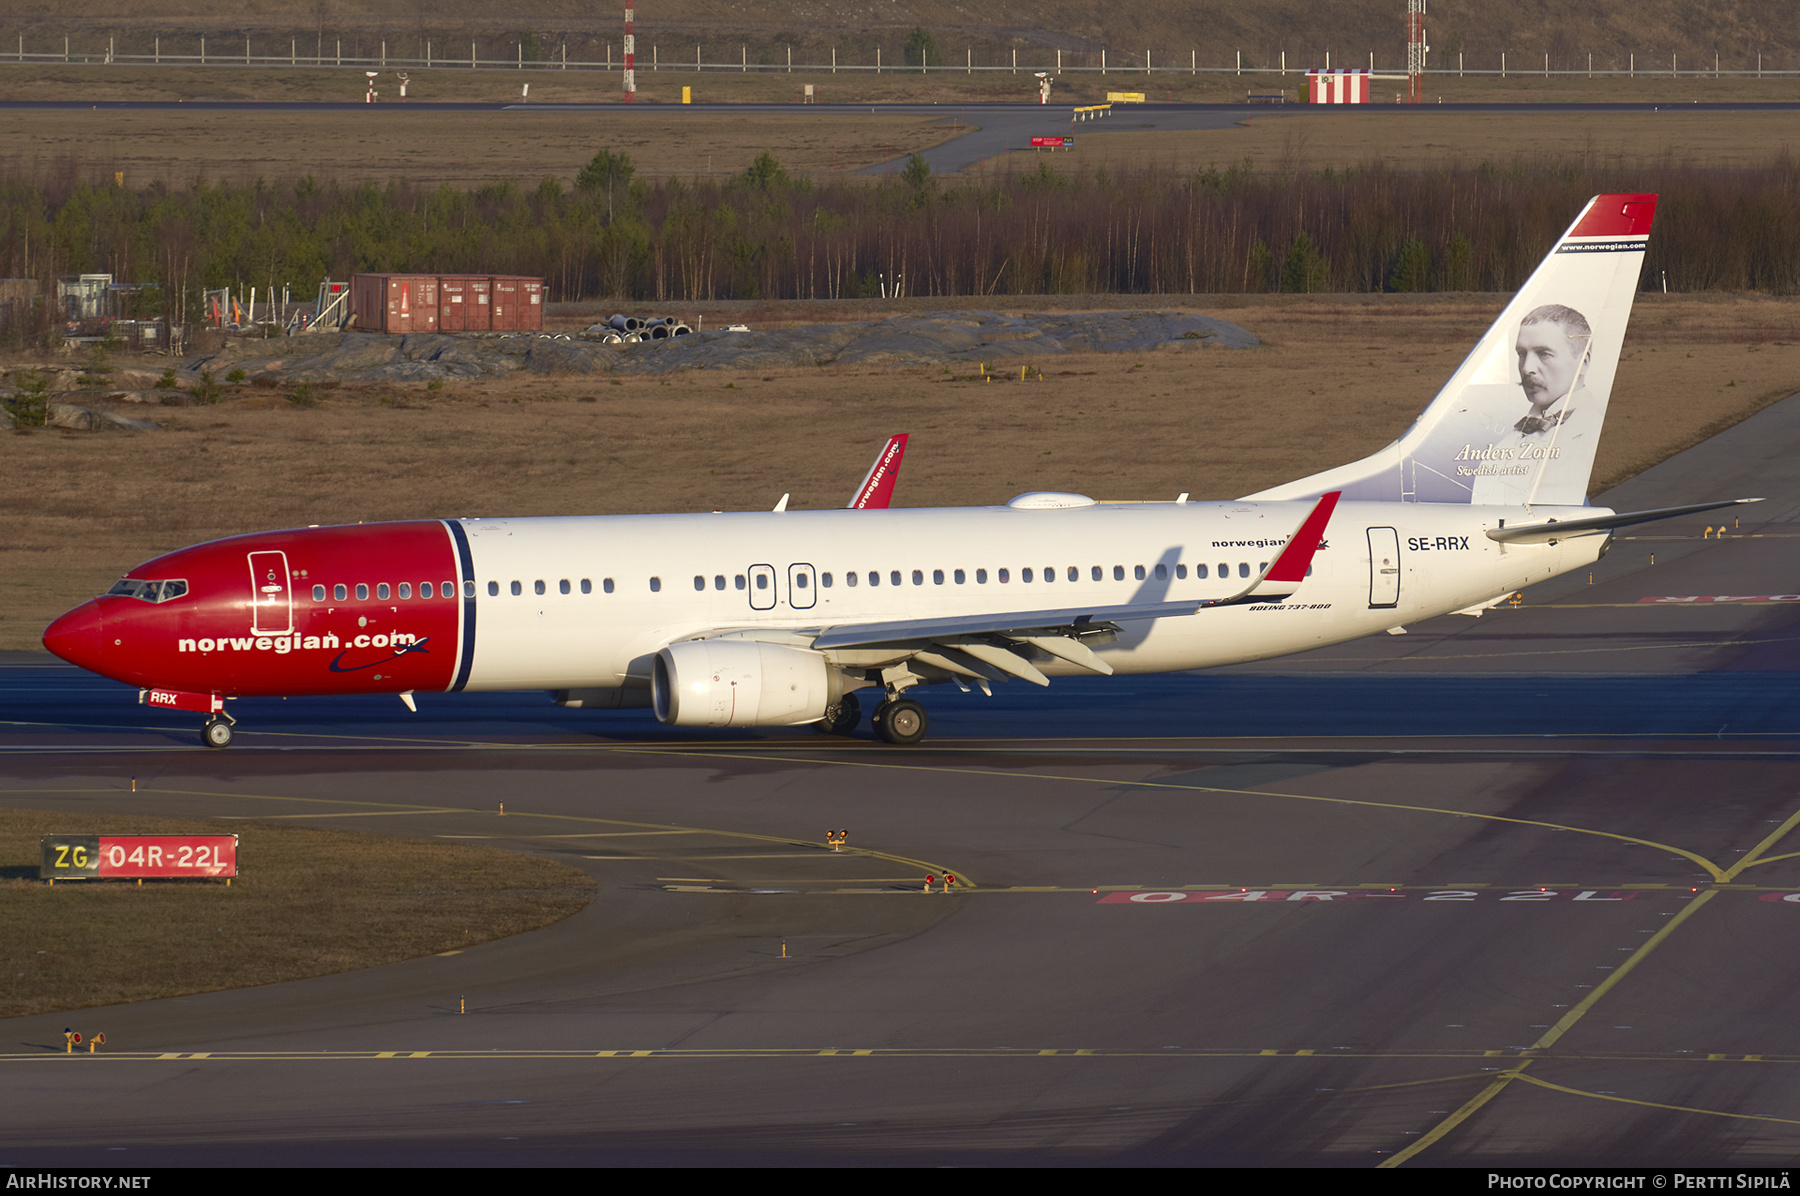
[(630, 57), (1338, 86)]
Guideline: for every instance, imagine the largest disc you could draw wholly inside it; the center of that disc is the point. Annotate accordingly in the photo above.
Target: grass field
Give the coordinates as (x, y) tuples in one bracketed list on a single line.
[(1339, 377), (467, 149), (307, 903)]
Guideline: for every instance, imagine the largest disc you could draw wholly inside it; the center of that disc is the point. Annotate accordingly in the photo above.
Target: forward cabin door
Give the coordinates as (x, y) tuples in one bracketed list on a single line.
[(762, 587), (271, 596), (801, 582), (1384, 567)]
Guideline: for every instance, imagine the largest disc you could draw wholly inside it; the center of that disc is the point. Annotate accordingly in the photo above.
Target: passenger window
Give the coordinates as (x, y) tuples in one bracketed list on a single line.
[(1200, 572), (1262, 567), (405, 590), (738, 581), (719, 581), (493, 589), (1005, 576), (894, 577), (919, 577), (937, 577), (381, 591), (537, 587), (825, 580), (1180, 572), (1243, 569), (607, 585), (980, 576), (1050, 574), (1224, 570), (800, 581), (587, 585), (1137, 571), (762, 581), (562, 587), (656, 585), (517, 589), (318, 593), (339, 592), (957, 577), (468, 589), (1025, 575), (362, 591), (1118, 573), (850, 579), (1075, 573), (425, 590), (1099, 574), (699, 584)]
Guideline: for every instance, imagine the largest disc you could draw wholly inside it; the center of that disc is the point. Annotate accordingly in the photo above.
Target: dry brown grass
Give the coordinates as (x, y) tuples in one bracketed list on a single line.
[(429, 147), (308, 902), (1340, 376), (1347, 137)]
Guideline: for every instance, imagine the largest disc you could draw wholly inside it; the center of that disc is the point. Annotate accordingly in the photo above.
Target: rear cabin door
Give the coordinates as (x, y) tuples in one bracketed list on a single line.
[(271, 596), (1384, 567)]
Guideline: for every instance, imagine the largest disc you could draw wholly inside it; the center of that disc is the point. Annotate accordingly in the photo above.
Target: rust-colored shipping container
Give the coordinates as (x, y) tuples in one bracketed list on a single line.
[(518, 303), (462, 304), (446, 303)]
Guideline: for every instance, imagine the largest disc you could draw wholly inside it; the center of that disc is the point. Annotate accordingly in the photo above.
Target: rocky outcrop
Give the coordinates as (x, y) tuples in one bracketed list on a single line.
[(934, 338)]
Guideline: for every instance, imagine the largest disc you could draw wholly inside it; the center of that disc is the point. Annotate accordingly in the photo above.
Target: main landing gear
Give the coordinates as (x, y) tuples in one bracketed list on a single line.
[(842, 718), (901, 721), (897, 720), (215, 732)]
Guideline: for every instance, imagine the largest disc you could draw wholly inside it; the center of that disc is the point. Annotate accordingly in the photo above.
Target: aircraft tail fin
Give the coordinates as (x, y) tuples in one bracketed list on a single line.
[(877, 489), (1518, 421)]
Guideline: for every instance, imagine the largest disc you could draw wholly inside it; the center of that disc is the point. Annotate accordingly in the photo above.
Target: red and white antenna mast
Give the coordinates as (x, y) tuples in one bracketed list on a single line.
[(1416, 50), (631, 54)]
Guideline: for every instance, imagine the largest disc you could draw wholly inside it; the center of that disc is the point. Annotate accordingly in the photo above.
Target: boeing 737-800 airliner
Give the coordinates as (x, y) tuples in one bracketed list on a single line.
[(779, 618)]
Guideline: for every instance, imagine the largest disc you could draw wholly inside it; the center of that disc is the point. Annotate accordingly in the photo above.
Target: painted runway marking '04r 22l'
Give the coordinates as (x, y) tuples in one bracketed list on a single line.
[(1249, 895)]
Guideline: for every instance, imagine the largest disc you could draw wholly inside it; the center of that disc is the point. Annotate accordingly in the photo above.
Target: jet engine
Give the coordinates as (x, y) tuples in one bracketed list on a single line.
[(741, 683)]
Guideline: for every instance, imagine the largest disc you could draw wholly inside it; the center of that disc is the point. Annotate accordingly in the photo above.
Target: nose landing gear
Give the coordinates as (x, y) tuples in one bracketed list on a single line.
[(215, 732)]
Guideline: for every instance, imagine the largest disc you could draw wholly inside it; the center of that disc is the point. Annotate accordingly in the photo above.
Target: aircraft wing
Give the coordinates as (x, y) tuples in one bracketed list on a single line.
[(984, 646)]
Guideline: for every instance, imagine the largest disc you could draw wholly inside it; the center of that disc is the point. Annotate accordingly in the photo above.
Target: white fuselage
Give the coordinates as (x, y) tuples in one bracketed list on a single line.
[(656, 579)]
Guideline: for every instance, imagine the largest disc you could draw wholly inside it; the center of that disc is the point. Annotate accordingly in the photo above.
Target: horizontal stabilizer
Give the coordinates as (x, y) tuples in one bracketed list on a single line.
[(1565, 529)]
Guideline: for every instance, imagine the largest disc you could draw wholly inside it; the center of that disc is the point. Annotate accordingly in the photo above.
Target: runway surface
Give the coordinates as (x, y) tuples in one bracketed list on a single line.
[(1517, 890)]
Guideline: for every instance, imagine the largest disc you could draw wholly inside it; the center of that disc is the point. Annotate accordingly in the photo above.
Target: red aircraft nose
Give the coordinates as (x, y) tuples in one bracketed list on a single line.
[(76, 636)]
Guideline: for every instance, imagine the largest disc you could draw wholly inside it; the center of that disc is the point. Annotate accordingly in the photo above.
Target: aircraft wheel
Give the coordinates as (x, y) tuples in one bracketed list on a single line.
[(216, 732), (901, 721), (842, 718)]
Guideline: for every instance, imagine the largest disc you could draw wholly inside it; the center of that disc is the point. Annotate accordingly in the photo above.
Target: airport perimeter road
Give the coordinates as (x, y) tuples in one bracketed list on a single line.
[(1508, 891)]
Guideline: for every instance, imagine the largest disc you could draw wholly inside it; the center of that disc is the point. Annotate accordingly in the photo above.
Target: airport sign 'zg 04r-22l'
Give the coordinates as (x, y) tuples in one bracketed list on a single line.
[(122, 857)]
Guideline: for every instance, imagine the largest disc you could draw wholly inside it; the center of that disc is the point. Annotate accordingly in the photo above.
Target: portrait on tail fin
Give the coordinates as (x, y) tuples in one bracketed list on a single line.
[(1558, 342)]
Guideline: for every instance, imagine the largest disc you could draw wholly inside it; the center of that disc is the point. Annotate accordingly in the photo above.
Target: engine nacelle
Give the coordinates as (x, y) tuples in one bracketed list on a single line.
[(741, 683)]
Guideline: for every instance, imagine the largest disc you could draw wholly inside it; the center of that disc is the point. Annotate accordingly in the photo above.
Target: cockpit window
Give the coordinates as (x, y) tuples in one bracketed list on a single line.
[(148, 591)]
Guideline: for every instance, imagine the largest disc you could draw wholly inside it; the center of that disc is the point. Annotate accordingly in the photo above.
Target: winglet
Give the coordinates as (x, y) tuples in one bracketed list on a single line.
[(877, 489), (1288, 570)]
